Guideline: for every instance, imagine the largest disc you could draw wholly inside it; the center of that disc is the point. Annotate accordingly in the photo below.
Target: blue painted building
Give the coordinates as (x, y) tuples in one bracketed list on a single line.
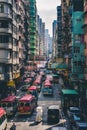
[(77, 59)]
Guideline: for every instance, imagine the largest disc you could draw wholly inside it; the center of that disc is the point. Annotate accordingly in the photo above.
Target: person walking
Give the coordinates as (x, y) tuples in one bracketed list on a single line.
[(13, 127)]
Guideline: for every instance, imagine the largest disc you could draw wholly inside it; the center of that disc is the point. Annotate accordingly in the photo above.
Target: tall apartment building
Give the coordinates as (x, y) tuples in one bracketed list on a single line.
[(20, 33), (83, 85), (66, 39), (38, 36), (41, 30), (59, 32), (32, 29), (54, 40), (41, 45), (43, 39), (77, 39), (11, 41), (26, 30), (76, 20), (48, 44), (85, 38)]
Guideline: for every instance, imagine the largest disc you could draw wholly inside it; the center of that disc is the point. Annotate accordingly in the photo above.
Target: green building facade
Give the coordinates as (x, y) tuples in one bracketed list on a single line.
[(32, 29), (77, 44)]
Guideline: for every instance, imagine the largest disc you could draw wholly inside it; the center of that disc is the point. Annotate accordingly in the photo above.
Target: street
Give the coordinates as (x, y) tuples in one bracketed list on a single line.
[(43, 64), (28, 123)]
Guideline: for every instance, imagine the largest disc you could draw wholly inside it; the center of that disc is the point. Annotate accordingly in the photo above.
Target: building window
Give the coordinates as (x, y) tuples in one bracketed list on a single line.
[(14, 16), (4, 24), (4, 39), (1, 8), (76, 50)]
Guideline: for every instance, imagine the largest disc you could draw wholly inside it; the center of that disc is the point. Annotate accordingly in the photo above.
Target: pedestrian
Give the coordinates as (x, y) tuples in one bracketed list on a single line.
[(5, 127), (13, 127)]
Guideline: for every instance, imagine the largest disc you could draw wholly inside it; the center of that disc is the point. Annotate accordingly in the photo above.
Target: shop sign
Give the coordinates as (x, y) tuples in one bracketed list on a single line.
[(11, 83)]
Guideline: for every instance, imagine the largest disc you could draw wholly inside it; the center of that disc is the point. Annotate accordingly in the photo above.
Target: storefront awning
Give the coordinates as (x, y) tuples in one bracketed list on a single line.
[(62, 66), (54, 65), (69, 91), (32, 47)]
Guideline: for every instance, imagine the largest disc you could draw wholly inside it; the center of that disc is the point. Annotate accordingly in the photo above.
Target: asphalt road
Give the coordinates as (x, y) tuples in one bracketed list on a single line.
[(28, 123)]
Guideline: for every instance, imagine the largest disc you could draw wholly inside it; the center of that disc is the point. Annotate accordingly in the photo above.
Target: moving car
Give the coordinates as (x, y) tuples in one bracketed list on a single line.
[(47, 91), (33, 90), (47, 88), (53, 114)]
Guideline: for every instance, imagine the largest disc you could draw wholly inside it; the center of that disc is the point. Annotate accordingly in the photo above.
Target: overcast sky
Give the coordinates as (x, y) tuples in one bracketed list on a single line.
[(48, 12)]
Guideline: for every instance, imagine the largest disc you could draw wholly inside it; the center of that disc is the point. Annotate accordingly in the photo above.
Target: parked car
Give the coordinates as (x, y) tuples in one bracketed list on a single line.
[(75, 118), (80, 126), (73, 110)]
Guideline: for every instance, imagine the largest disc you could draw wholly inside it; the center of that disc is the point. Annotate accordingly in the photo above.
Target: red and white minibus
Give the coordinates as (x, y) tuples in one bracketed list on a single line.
[(9, 104), (3, 119), (26, 104)]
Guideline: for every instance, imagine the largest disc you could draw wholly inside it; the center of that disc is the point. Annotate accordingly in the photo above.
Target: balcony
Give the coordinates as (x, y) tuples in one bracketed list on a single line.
[(32, 31), (14, 22), (32, 41), (85, 52), (20, 55), (14, 9), (6, 45), (7, 1), (32, 47), (18, 13), (6, 30), (6, 61), (15, 35), (17, 61), (6, 15), (70, 44), (14, 48), (14, 61), (20, 24)]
